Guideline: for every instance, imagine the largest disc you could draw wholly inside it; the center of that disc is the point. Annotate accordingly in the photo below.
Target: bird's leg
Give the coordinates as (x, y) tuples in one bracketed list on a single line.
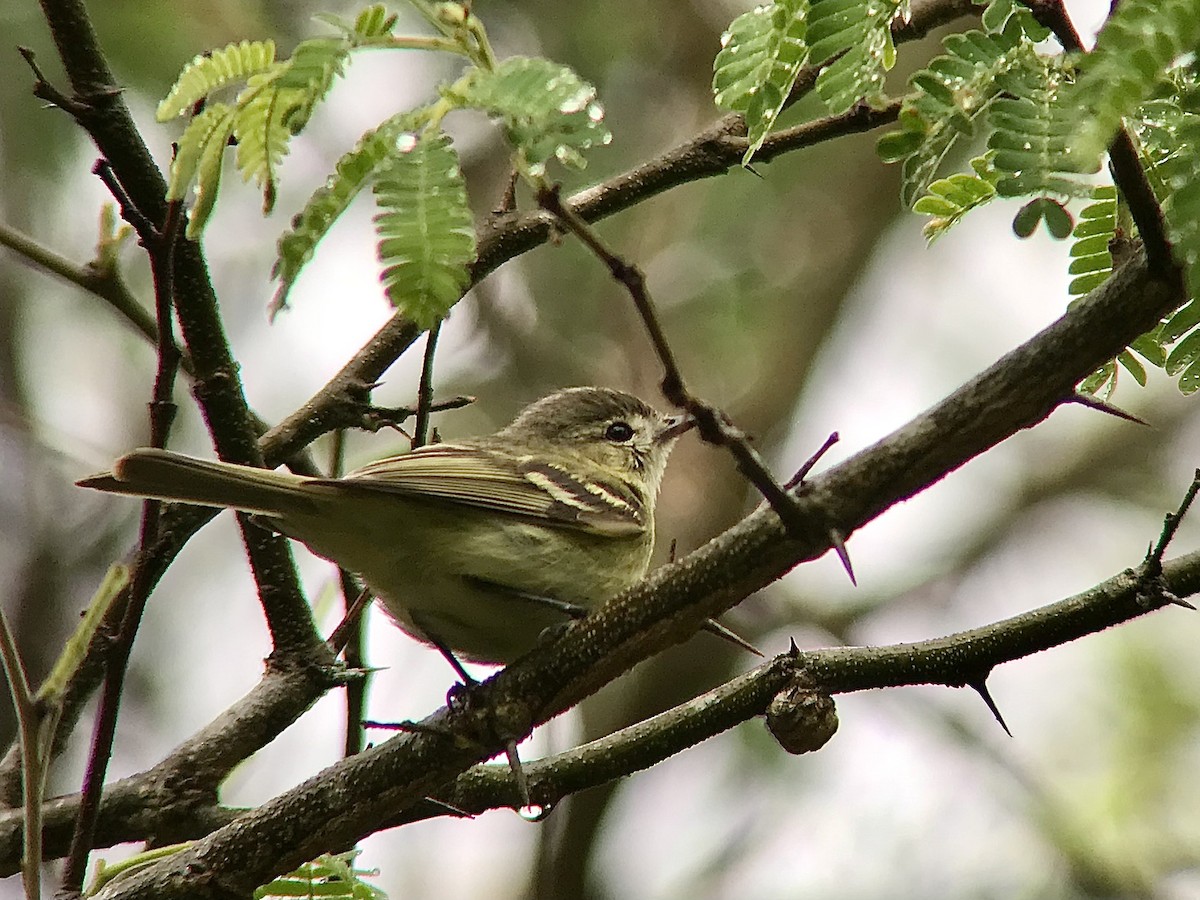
[(459, 697)]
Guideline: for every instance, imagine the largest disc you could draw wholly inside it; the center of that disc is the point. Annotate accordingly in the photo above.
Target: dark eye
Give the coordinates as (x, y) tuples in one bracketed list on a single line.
[(619, 432)]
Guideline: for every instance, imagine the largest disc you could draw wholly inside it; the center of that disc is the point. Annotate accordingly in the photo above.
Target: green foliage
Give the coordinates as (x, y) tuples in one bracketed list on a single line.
[(1167, 129), (995, 82), (1091, 257), (1140, 40), (354, 171), (761, 55), (207, 74), (1039, 209), (1092, 264), (426, 240), (328, 877), (1044, 129), (860, 31), (548, 111), (765, 48), (1029, 135), (199, 157), (949, 199), (275, 104), (948, 98)]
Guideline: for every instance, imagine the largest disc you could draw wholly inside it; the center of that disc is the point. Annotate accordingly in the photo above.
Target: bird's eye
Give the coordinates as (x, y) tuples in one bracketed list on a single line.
[(618, 432)]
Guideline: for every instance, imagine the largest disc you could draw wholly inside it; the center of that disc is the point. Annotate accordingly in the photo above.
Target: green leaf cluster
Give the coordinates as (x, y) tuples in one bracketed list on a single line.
[(761, 55), (1141, 40), (276, 103), (548, 111), (764, 50), (1142, 74), (857, 36), (426, 241), (949, 199), (1095, 235), (995, 83), (1046, 120)]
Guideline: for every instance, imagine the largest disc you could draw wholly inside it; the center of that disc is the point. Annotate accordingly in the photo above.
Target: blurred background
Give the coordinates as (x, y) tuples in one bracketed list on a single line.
[(802, 301)]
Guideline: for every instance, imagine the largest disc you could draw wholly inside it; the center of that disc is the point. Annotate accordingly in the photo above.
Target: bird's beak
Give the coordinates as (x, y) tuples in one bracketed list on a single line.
[(675, 426)]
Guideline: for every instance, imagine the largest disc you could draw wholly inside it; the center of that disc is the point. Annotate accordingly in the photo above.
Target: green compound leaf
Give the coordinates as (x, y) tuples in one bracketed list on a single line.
[(426, 239), (1092, 264), (1183, 210), (859, 30), (374, 21), (1030, 139), (1091, 258), (950, 199), (548, 111), (947, 99), (1168, 135), (206, 74), (308, 75), (263, 135), (276, 103), (1139, 42), (761, 55), (353, 172)]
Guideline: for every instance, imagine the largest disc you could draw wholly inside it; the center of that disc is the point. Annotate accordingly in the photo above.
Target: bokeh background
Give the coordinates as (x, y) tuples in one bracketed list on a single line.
[(803, 301)]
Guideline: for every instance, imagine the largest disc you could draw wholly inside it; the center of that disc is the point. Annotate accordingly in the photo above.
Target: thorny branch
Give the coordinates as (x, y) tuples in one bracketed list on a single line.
[(160, 246)]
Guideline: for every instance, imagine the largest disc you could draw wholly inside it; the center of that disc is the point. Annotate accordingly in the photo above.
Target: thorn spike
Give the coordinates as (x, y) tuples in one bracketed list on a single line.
[(981, 688), (1105, 407), (839, 547), (712, 626), (1177, 601)]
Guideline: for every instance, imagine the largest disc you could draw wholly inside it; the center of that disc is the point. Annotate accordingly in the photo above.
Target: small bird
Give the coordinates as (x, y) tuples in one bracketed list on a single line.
[(475, 546)]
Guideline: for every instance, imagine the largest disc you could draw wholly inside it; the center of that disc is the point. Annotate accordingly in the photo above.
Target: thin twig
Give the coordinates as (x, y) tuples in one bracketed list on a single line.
[(1152, 590), (347, 637), (32, 761), (425, 389), (160, 244)]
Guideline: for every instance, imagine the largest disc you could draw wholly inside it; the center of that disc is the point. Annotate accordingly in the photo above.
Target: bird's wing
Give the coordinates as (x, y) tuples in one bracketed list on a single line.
[(514, 485)]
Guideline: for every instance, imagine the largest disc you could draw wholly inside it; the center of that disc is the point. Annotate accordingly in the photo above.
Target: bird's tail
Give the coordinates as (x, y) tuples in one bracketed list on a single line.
[(164, 475)]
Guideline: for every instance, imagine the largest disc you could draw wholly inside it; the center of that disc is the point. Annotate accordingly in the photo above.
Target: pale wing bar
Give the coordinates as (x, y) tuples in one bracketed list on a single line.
[(515, 485)]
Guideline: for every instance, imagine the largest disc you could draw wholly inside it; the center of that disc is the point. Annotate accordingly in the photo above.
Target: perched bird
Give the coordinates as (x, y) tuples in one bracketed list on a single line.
[(475, 546)]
